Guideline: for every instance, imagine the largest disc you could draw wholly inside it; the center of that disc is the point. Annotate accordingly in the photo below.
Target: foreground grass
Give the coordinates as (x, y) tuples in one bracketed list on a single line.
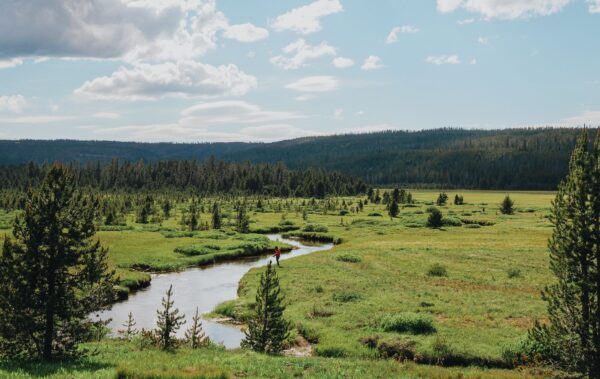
[(116, 359)]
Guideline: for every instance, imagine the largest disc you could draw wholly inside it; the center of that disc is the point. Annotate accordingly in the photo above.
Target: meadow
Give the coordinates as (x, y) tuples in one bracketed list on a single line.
[(461, 295)]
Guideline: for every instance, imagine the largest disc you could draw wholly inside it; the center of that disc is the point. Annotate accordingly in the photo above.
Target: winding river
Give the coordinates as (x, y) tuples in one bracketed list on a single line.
[(204, 287)]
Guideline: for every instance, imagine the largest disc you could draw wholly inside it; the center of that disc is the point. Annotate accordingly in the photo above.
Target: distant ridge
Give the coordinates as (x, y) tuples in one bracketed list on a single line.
[(532, 158)]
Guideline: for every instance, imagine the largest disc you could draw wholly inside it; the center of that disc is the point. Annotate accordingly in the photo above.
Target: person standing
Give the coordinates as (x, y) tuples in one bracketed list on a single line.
[(277, 255)]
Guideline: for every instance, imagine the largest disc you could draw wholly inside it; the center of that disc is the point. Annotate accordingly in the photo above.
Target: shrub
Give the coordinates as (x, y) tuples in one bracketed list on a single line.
[(507, 206), (194, 250), (472, 226), (413, 323), (375, 214), (513, 273), (437, 270), (343, 212), (348, 258), (315, 228), (370, 341), (451, 221), (442, 199), (346, 297), (331, 351), (435, 219), (400, 349), (318, 312)]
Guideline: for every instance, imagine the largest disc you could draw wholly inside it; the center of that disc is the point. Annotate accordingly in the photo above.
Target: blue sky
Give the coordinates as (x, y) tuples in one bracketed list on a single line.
[(263, 70)]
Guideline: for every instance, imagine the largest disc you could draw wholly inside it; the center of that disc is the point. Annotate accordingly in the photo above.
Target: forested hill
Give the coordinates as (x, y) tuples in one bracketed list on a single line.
[(488, 159)]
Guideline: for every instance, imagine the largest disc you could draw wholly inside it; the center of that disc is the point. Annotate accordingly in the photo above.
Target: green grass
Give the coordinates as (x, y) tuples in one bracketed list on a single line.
[(380, 269)]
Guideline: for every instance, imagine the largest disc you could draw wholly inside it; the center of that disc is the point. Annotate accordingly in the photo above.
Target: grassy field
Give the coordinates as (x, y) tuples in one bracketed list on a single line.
[(475, 286)]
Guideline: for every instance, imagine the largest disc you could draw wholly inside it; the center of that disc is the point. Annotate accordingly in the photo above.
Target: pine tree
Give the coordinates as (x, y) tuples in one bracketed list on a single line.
[(267, 329), (442, 199), (195, 336), (169, 322), (146, 210), (572, 337), (242, 220), (435, 219), (216, 216), (507, 206), (394, 209), (129, 326), (58, 272)]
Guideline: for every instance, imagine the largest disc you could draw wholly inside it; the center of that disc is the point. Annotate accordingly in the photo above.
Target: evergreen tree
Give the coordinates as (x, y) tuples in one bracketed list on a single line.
[(169, 322), (396, 195), (195, 336), (166, 208), (507, 206), (394, 209), (267, 329), (58, 272), (129, 332), (435, 219), (442, 199), (572, 337), (242, 220), (216, 216), (146, 210)]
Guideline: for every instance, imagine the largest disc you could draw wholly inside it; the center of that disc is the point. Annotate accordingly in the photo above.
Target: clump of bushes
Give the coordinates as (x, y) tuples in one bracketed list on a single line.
[(331, 351), (348, 258), (316, 228), (375, 214), (309, 334), (401, 349), (451, 221), (346, 297), (407, 322), (438, 270), (513, 273), (318, 312), (194, 250)]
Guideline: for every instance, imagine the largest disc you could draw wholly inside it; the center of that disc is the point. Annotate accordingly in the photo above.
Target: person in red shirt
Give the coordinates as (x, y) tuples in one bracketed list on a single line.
[(277, 255)]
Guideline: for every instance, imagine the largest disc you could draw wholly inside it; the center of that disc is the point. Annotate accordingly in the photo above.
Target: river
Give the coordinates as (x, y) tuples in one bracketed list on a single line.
[(205, 288)]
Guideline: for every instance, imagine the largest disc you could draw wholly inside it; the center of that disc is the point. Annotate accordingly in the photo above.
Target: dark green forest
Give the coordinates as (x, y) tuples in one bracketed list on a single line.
[(206, 177), (532, 158)]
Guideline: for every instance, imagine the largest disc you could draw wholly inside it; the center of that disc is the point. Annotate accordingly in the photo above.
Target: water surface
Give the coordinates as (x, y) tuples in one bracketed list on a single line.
[(204, 288)]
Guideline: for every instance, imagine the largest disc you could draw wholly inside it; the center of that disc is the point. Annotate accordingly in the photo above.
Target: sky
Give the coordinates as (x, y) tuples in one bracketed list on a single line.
[(264, 70)]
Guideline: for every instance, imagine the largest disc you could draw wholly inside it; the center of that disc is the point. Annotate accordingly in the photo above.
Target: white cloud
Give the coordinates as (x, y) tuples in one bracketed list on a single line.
[(114, 29), (10, 63), (373, 62), (230, 112), (33, 119), (482, 40), (314, 84), (181, 79), (305, 97), (245, 33), (306, 19), (594, 6), (106, 115), (590, 118), (13, 103), (300, 52), (211, 121), (338, 114), (466, 21), (504, 9), (406, 29), (443, 59), (341, 62), (473, 61)]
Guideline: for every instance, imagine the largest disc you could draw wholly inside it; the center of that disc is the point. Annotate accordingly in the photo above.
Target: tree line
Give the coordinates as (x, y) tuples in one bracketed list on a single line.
[(202, 177)]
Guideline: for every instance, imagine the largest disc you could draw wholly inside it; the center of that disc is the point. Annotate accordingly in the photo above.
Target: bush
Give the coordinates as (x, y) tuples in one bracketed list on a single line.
[(331, 351), (343, 212), (400, 349), (435, 219), (513, 273), (437, 270), (451, 221), (194, 250), (413, 323), (346, 297), (370, 341), (375, 214), (315, 228), (348, 258), (472, 226), (318, 312)]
